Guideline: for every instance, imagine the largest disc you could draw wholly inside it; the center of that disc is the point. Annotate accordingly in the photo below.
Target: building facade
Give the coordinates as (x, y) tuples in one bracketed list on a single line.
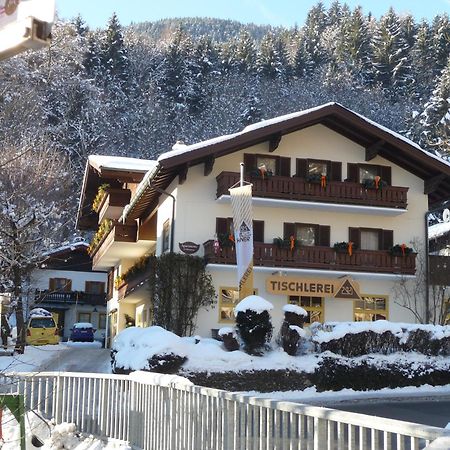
[(66, 285), (336, 198)]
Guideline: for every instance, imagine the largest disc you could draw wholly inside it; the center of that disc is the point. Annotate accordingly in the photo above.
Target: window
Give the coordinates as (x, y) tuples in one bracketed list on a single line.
[(312, 305), (94, 287), (308, 234), (278, 165), (228, 299), (360, 172), (306, 167), (60, 284), (102, 321), (166, 236), (371, 308), (371, 238), (84, 317), (224, 227)]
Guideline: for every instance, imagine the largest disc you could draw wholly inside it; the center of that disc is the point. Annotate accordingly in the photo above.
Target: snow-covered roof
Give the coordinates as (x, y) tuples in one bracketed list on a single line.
[(71, 246), (40, 312), (100, 162), (438, 229), (253, 303)]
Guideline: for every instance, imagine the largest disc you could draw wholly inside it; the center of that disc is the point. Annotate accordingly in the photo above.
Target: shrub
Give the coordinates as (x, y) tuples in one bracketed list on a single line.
[(291, 332), (229, 339)]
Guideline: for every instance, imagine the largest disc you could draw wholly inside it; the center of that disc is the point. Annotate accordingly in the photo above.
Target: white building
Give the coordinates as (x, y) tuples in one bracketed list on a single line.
[(66, 286), (335, 177)]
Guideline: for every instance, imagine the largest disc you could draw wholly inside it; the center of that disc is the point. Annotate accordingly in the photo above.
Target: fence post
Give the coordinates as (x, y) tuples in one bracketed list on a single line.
[(320, 433), (57, 411)]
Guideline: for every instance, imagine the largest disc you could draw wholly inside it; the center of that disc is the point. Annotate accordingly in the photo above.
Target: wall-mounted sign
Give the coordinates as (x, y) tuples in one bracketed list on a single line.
[(189, 247), (336, 288)]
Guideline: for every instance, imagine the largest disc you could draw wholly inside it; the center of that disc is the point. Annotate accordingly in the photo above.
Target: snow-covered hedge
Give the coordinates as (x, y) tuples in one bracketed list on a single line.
[(362, 338)]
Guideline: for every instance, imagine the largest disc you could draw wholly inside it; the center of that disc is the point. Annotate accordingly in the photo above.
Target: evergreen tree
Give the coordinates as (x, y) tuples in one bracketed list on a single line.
[(92, 61), (272, 57), (440, 41), (390, 55), (246, 52), (80, 26), (315, 24), (114, 52), (422, 58), (302, 64)]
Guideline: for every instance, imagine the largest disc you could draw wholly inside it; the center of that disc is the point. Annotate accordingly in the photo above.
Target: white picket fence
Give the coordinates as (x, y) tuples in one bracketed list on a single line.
[(162, 412)]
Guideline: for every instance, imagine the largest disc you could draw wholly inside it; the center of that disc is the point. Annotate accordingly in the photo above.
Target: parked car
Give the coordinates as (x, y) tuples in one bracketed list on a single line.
[(41, 328), (82, 332)]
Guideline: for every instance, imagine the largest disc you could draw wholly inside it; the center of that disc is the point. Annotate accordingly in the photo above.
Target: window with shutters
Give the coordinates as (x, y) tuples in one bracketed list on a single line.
[(371, 238), (276, 165), (94, 287), (371, 308), (308, 234), (359, 173), (84, 317), (60, 284), (314, 306), (224, 228), (308, 167)]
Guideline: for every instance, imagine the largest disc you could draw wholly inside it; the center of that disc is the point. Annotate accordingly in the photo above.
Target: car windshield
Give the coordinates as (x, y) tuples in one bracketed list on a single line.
[(42, 322)]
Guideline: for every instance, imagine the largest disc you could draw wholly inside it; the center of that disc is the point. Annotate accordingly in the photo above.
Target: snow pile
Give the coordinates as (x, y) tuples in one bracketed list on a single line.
[(253, 303), (40, 312), (227, 330), (134, 346), (295, 309), (300, 331)]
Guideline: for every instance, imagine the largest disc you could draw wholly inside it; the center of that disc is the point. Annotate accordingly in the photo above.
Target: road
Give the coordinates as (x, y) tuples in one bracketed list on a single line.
[(80, 359)]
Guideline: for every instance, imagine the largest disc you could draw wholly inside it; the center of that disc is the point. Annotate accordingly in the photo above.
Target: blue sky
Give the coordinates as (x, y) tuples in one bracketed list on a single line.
[(274, 12)]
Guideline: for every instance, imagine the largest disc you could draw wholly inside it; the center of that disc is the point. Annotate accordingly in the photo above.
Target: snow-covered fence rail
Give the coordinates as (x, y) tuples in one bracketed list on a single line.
[(164, 412)]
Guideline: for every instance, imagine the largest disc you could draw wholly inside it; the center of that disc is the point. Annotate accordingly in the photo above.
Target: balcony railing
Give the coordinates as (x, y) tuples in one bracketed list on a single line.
[(294, 188), (135, 282), (71, 297), (323, 258), (112, 204)]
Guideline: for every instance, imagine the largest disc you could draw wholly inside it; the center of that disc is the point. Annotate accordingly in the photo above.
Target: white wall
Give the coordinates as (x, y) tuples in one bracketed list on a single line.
[(41, 278)]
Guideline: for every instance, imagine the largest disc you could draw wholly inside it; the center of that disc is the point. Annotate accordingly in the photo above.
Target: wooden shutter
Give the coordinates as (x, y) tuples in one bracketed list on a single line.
[(352, 172), (324, 235), (288, 230), (284, 166), (68, 285), (110, 284), (354, 235), (249, 162), (51, 284), (335, 171), (221, 225), (302, 167), (385, 174), (258, 230), (386, 240)]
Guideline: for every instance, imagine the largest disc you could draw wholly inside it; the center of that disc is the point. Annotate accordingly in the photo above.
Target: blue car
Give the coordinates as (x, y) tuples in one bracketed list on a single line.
[(82, 332)]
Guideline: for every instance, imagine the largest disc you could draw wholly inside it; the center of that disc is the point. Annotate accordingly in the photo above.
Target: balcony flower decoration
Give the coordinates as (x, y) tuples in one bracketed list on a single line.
[(374, 183), (317, 178), (139, 267), (104, 228), (226, 240), (400, 250), (261, 172), (345, 247), (289, 243), (101, 193)]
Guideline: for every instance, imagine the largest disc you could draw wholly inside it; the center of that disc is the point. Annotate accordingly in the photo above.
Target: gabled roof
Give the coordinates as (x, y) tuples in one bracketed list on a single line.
[(375, 138), (72, 257), (113, 170)]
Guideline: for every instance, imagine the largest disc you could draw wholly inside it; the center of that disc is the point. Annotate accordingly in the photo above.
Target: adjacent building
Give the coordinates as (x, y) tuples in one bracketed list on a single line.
[(66, 285), (337, 199)]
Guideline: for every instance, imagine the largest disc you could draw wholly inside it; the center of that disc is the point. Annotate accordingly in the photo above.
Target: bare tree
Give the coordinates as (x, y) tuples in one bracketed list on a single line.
[(33, 210), (411, 293)]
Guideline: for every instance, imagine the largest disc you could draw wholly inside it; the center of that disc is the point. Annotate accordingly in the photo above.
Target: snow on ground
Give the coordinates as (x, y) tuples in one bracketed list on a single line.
[(62, 436), (32, 359), (94, 344), (310, 395)]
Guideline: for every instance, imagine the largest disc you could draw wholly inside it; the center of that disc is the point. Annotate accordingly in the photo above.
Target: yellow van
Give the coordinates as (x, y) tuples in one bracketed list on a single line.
[(42, 329)]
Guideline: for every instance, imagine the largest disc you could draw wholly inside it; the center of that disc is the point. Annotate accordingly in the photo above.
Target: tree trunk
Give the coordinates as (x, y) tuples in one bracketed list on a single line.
[(20, 341)]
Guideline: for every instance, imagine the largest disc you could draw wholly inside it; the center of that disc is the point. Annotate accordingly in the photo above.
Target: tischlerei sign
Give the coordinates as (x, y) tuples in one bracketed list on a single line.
[(339, 288)]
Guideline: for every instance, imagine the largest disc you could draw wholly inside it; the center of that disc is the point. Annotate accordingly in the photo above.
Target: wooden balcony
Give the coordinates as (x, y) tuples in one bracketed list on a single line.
[(298, 189), (118, 234), (112, 204), (68, 298), (321, 258), (127, 288)]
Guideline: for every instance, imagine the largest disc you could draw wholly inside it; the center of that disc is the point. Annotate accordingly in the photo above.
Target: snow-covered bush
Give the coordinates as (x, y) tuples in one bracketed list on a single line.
[(253, 323), (291, 332), (153, 349), (229, 338)]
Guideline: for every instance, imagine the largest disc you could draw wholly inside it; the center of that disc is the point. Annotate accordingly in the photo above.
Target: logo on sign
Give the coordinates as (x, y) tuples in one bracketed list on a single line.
[(189, 247), (244, 233), (347, 290)]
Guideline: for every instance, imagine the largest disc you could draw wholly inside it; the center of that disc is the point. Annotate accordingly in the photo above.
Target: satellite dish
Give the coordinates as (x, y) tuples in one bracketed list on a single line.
[(446, 215)]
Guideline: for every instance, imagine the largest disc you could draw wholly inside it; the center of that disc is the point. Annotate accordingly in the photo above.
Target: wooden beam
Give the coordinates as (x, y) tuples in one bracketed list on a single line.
[(274, 142), (182, 174), (431, 184), (209, 164), (374, 149)]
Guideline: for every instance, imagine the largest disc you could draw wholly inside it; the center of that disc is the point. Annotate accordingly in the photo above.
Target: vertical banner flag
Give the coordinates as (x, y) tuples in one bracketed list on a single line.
[(241, 204)]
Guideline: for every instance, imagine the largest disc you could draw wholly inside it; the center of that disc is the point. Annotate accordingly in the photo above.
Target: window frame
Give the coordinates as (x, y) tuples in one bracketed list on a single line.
[(87, 284), (375, 311), (100, 317), (219, 303), (66, 288), (384, 172), (165, 245), (84, 313), (309, 309)]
